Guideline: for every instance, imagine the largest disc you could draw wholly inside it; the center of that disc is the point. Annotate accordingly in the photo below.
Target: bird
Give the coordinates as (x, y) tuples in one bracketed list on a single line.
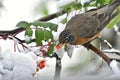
[(85, 27)]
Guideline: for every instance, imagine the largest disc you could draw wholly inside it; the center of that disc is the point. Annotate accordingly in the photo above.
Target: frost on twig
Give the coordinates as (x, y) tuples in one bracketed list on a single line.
[(114, 66), (113, 51), (106, 42)]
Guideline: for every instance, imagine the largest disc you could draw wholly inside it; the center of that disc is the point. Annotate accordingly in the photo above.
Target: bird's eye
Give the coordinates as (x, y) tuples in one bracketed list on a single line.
[(67, 39)]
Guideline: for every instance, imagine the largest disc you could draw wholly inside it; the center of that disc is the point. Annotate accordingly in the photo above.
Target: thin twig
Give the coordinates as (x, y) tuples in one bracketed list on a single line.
[(23, 41), (118, 60), (11, 32), (112, 51), (106, 42)]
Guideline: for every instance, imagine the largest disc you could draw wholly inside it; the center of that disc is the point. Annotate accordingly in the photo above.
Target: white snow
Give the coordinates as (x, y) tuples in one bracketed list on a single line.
[(116, 28), (114, 67), (69, 50), (116, 71), (17, 66), (62, 3), (27, 38), (112, 51)]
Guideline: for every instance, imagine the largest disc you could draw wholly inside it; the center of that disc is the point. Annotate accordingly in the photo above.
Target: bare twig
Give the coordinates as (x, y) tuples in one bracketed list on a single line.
[(23, 41), (11, 32), (118, 60), (106, 42)]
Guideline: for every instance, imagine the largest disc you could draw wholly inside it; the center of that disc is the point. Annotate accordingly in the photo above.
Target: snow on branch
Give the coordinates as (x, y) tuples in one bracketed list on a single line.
[(113, 51)]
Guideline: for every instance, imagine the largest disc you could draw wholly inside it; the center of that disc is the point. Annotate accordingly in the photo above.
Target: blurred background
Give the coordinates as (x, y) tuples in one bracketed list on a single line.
[(83, 65)]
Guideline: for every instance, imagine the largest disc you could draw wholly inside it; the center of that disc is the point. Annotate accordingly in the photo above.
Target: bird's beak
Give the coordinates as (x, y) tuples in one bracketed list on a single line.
[(59, 45)]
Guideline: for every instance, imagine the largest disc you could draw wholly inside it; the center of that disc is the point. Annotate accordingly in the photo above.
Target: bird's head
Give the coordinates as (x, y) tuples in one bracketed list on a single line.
[(66, 37)]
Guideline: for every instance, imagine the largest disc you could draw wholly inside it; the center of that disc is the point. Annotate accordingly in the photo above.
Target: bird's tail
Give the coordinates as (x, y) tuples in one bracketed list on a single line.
[(115, 1), (108, 9), (114, 4)]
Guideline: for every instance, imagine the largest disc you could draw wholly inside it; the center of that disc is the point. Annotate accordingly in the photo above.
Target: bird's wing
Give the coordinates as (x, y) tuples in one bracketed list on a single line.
[(87, 25), (84, 25), (102, 17)]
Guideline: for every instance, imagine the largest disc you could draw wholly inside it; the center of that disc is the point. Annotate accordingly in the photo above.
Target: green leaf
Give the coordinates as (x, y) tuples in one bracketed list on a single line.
[(29, 32), (64, 20), (39, 35), (72, 5), (77, 6), (23, 24), (52, 26), (38, 23), (114, 21), (86, 5), (68, 6), (48, 35), (107, 1), (99, 3)]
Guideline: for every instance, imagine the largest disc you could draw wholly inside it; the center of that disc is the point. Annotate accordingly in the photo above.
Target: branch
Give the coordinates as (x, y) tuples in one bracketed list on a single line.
[(98, 52), (118, 60), (52, 16), (112, 51), (58, 66), (11, 32), (23, 41), (58, 69)]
